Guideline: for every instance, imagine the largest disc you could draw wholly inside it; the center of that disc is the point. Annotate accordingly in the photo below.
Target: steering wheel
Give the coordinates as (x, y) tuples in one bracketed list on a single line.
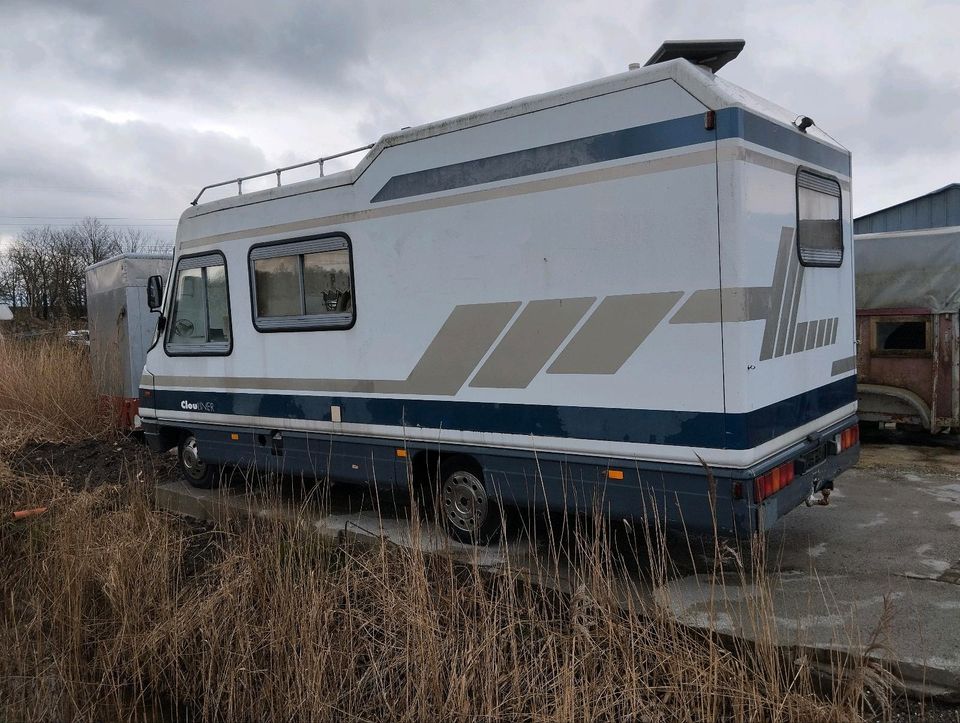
[(183, 327)]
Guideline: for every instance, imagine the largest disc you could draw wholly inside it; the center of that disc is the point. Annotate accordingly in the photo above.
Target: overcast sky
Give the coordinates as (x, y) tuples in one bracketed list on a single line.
[(124, 109)]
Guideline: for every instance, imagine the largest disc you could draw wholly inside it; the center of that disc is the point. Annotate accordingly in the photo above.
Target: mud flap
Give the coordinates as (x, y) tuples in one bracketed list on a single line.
[(768, 514)]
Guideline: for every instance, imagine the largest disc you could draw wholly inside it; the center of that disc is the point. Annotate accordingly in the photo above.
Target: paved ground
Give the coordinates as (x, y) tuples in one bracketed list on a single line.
[(880, 563), (888, 542)]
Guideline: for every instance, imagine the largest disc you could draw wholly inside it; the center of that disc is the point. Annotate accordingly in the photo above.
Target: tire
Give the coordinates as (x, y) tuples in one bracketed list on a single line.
[(465, 506), (197, 473)]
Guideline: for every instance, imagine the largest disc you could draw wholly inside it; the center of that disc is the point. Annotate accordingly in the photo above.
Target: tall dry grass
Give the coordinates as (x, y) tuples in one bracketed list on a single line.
[(112, 609), (46, 393), (117, 610)]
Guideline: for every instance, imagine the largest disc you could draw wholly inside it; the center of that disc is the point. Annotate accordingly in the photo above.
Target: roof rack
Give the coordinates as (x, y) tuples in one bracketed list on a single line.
[(278, 171)]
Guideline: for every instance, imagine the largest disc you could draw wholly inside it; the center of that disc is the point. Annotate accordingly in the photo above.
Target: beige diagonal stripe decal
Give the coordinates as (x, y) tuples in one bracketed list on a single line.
[(458, 347), (531, 341), (774, 320), (613, 332), (446, 364), (840, 366), (748, 303)]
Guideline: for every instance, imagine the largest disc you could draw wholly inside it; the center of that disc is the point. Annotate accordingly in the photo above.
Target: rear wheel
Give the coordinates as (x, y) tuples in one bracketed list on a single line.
[(468, 511), (197, 472)]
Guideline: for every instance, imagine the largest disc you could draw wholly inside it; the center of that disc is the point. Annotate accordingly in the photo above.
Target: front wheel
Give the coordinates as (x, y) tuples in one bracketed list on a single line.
[(469, 512), (198, 473)]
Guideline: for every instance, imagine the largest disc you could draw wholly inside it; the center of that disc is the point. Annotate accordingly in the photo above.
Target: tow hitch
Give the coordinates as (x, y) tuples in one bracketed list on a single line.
[(824, 499)]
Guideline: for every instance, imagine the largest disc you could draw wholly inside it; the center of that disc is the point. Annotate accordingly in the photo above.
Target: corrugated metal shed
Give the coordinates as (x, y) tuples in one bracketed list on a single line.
[(936, 209)]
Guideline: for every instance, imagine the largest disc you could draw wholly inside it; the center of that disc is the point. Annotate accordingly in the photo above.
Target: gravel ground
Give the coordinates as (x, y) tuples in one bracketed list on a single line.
[(915, 712)]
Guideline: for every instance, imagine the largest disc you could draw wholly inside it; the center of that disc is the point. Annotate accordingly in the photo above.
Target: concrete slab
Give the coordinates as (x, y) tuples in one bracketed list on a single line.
[(336, 517), (880, 564), (348, 512)]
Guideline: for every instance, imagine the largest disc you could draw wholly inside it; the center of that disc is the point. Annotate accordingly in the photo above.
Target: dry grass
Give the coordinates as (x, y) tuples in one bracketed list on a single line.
[(46, 393), (114, 610)]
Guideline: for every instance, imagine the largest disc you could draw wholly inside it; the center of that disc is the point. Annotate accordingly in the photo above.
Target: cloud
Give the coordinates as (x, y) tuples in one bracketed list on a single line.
[(127, 108), (151, 171), (164, 47)]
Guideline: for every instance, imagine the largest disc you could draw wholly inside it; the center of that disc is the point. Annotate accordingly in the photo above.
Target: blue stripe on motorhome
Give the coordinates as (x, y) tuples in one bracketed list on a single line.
[(789, 141), (636, 141), (638, 426)]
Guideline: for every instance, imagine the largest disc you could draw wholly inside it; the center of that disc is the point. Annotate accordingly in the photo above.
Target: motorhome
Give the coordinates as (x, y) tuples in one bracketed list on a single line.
[(635, 293)]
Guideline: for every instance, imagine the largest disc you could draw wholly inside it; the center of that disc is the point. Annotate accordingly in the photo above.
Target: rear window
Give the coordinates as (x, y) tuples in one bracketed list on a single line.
[(819, 225)]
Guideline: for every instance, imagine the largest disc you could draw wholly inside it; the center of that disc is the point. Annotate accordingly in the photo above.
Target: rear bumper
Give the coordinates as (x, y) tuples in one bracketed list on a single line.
[(810, 481)]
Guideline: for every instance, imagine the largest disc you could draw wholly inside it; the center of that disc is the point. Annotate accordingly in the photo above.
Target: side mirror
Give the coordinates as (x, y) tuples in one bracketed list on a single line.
[(155, 293)]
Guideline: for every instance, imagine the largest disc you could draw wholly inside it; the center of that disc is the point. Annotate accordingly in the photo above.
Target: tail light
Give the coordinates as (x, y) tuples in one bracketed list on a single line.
[(773, 481), (847, 438)]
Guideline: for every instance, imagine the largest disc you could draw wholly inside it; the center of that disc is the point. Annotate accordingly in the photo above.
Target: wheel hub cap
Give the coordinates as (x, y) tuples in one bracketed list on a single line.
[(464, 501), (191, 459)]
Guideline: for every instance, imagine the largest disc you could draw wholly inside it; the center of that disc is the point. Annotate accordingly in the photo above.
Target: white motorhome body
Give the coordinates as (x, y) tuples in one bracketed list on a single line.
[(585, 293)]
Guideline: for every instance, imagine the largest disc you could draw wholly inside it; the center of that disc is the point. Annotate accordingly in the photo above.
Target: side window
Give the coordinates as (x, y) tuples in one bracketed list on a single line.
[(200, 315), (899, 336), (305, 284), (819, 224)]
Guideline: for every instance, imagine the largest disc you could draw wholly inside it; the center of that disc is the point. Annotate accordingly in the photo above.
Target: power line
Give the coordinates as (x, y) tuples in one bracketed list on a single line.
[(94, 216), (23, 224)]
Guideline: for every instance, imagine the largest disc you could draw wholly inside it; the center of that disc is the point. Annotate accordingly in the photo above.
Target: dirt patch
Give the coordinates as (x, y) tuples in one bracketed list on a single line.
[(899, 460), (91, 463)]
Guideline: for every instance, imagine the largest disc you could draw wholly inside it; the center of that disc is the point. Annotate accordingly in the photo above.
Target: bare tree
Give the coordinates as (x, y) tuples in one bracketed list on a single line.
[(29, 261), (8, 283), (97, 242), (45, 270), (132, 240)]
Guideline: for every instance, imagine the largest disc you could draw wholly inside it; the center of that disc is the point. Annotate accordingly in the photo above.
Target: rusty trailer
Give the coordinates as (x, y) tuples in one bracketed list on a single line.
[(908, 299)]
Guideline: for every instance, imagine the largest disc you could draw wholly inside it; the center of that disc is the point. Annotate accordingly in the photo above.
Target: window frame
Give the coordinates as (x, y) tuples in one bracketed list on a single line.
[(805, 171), (299, 247), (927, 321), (205, 349)]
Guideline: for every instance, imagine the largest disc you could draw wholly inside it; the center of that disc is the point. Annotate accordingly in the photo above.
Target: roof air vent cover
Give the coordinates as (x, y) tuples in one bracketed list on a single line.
[(713, 54)]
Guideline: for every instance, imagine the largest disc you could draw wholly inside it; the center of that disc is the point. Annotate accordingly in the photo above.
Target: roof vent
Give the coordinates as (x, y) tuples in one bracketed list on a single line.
[(713, 54)]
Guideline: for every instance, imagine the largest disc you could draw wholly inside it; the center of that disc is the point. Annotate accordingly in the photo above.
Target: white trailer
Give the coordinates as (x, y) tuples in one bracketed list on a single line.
[(122, 328), (5, 315), (567, 300)]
